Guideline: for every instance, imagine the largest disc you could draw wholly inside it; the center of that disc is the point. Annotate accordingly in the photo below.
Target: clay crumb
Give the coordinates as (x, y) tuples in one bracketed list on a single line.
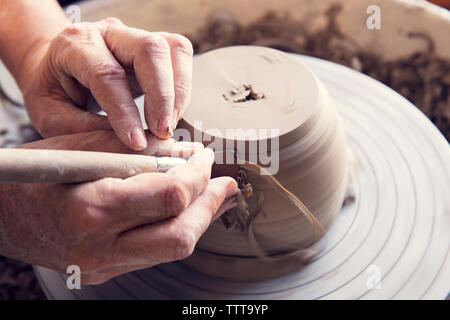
[(243, 93)]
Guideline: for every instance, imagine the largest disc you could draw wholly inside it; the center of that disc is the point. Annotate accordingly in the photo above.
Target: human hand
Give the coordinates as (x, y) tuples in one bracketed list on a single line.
[(113, 226), (108, 63)]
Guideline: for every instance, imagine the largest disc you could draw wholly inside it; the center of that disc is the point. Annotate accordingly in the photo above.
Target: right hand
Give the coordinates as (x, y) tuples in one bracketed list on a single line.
[(113, 226)]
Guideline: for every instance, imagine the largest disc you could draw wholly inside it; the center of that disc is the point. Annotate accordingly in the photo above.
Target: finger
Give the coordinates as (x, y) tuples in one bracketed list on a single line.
[(228, 204), (208, 207), (107, 141), (175, 238), (60, 117), (73, 89), (151, 61), (181, 53), (152, 64), (171, 148), (94, 66), (151, 197), (106, 274), (196, 173)]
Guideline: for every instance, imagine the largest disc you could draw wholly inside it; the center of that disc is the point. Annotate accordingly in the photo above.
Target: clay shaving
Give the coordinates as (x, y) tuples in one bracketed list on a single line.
[(243, 93), (249, 204), (422, 77)]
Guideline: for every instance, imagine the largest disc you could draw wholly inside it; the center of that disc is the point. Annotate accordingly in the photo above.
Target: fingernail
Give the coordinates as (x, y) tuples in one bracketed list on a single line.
[(191, 145), (164, 127), (138, 139), (204, 156)]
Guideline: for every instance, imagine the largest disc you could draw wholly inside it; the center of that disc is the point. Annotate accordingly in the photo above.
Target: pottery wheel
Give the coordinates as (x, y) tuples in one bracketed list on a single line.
[(392, 241)]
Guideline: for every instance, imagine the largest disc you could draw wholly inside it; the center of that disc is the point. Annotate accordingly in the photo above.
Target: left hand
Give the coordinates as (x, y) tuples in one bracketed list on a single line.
[(110, 64)]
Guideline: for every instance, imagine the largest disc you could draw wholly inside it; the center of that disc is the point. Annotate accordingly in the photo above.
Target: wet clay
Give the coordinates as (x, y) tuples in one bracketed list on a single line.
[(249, 87)]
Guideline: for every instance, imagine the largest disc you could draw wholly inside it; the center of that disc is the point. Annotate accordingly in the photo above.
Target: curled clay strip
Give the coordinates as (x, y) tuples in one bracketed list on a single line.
[(257, 169)]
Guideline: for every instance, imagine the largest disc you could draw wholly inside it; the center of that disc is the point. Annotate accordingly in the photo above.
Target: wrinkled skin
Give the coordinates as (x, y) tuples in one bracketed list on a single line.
[(107, 64), (110, 226)]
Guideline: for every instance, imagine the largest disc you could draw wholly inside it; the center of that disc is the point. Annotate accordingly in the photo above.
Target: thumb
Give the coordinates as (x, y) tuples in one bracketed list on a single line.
[(54, 118)]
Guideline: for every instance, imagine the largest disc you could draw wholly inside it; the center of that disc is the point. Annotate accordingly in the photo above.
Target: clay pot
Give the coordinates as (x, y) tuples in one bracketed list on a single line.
[(308, 151)]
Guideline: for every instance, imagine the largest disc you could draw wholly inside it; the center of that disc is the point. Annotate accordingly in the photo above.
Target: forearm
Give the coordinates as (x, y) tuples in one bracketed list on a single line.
[(10, 215), (26, 27)]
